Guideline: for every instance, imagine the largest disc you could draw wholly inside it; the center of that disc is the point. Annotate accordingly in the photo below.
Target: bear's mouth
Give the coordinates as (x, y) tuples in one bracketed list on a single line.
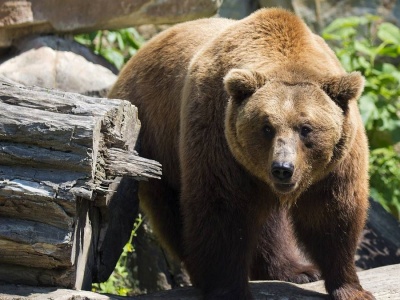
[(284, 187)]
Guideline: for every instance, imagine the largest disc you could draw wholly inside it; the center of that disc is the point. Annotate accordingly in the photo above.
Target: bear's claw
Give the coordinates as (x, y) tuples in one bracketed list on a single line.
[(351, 293), (299, 273)]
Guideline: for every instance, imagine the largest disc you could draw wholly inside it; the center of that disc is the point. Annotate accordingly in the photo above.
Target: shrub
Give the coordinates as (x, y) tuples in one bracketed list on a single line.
[(119, 282), (368, 45), (116, 46)]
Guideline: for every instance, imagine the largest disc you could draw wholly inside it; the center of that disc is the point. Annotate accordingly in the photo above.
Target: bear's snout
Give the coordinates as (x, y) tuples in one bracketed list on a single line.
[(282, 171)]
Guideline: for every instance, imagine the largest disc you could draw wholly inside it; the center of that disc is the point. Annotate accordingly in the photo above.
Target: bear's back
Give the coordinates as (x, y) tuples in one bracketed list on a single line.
[(153, 80)]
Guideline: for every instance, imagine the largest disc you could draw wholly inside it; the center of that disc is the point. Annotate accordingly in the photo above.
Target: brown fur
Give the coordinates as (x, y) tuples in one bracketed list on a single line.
[(220, 102)]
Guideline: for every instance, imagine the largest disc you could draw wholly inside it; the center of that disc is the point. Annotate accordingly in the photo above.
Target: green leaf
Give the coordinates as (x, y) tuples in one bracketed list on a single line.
[(342, 23), (363, 63), (389, 33), (114, 57), (111, 36), (392, 71), (389, 50), (389, 68), (120, 40), (363, 48), (367, 108)]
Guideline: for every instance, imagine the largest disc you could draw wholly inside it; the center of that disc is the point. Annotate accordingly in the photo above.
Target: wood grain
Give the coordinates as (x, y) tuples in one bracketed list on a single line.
[(68, 164)]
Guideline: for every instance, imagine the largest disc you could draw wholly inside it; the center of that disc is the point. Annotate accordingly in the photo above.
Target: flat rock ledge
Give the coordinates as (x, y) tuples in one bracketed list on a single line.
[(20, 18), (383, 282)]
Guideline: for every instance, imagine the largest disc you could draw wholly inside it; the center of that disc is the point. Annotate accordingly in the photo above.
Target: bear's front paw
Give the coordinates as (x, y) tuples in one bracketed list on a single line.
[(351, 293), (304, 274), (297, 273)]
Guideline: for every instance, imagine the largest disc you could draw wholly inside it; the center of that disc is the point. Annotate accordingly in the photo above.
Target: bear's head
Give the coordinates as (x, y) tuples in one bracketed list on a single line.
[(290, 132)]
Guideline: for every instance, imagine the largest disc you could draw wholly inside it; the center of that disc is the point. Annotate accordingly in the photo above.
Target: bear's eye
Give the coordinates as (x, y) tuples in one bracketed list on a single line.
[(305, 130), (268, 131)]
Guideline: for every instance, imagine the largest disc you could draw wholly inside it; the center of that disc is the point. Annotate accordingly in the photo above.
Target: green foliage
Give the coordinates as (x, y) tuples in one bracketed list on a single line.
[(119, 283), (385, 175), (116, 46), (368, 45)]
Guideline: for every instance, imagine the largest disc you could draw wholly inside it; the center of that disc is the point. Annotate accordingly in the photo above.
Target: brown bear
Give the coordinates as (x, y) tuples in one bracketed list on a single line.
[(257, 127)]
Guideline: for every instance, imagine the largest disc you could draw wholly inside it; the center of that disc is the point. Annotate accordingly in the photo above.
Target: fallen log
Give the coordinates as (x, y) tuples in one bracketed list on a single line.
[(68, 172)]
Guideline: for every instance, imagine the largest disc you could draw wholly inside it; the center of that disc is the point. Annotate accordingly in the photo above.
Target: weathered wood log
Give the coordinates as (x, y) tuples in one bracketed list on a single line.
[(68, 171)]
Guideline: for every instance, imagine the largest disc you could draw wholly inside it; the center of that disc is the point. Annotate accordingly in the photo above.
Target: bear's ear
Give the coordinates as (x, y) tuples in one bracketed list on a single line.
[(344, 88), (241, 83)]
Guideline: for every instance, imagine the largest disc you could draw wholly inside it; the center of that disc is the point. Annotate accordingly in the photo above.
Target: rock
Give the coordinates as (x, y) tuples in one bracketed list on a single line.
[(152, 267), (382, 282), (237, 9), (53, 62), (60, 44), (380, 244), (318, 14), (12, 292), (23, 17)]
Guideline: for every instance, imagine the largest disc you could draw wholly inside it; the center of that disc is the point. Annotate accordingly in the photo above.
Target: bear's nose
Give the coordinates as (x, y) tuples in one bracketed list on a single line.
[(282, 170)]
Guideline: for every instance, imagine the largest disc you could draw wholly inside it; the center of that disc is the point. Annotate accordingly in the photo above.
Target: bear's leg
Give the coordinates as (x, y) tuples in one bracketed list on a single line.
[(219, 238), (277, 255), (160, 203), (330, 227)]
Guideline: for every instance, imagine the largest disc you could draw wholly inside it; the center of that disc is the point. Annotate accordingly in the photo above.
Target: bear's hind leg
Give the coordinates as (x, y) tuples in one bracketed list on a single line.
[(160, 203), (277, 256)]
